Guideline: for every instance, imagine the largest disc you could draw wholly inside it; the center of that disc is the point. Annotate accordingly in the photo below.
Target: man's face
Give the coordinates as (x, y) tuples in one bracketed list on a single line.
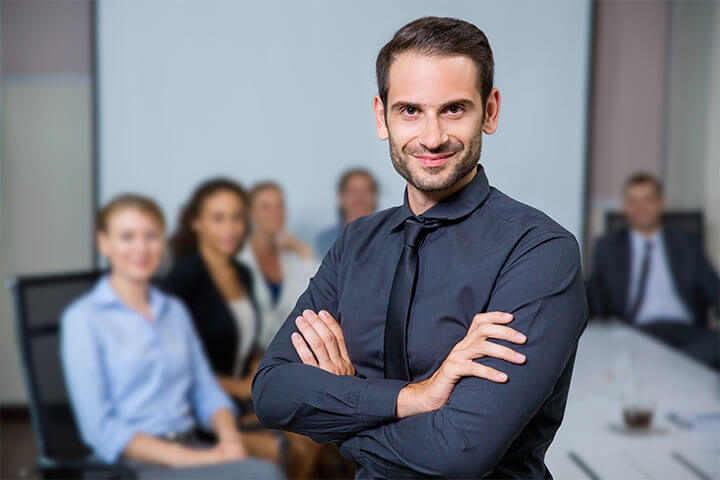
[(358, 197), (643, 206), (434, 118)]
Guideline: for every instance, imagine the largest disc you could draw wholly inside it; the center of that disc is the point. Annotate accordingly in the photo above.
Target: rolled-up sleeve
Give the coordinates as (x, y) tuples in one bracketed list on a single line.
[(305, 399), (543, 287), (80, 351)]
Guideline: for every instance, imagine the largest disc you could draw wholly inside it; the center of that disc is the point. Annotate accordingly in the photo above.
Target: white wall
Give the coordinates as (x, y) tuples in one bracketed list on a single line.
[(282, 90)]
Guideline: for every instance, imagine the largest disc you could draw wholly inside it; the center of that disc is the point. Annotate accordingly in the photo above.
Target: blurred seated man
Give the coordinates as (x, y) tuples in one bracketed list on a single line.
[(357, 196), (654, 277), (138, 379)]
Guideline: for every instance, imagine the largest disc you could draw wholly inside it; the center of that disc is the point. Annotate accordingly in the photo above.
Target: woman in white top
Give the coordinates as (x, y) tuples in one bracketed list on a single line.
[(281, 264)]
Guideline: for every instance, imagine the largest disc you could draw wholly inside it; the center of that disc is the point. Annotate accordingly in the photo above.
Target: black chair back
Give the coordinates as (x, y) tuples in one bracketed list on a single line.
[(40, 301), (687, 221)]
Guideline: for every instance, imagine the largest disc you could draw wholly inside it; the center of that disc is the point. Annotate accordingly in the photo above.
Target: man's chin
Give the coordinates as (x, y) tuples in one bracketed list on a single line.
[(432, 179)]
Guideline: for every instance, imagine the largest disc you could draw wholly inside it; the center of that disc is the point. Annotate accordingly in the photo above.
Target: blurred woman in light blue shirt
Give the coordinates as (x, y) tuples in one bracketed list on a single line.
[(137, 375)]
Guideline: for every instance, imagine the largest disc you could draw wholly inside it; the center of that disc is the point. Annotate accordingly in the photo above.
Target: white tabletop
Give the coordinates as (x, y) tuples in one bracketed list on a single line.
[(615, 363)]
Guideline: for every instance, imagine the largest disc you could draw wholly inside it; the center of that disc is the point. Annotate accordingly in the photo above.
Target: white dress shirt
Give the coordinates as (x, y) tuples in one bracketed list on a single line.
[(661, 300)]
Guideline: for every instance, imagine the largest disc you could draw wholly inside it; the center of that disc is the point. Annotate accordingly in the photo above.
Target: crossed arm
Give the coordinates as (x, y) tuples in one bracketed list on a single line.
[(403, 428)]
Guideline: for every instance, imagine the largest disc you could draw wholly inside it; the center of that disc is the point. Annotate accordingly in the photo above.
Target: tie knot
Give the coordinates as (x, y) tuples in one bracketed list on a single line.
[(415, 229)]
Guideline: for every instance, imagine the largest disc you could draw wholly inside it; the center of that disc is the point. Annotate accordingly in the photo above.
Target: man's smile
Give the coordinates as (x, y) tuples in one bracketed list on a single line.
[(433, 160)]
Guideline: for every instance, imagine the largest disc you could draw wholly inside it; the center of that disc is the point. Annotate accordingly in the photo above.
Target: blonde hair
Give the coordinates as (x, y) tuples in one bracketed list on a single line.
[(262, 186), (128, 200)]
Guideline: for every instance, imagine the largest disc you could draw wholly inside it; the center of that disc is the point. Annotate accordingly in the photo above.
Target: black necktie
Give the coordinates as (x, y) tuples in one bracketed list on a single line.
[(401, 293), (642, 282)]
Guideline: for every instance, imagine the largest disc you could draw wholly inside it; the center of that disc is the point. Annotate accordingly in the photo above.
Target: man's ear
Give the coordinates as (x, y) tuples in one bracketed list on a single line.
[(379, 108), (492, 112)]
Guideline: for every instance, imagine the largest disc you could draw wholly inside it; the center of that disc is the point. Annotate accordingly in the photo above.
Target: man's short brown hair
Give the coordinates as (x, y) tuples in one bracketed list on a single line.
[(441, 36), (643, 178), (361, 172)]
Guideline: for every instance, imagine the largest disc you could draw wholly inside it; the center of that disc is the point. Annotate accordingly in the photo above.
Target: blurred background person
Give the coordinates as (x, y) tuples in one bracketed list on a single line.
[(136, 372), (215, 287), (281, 264), (357, 194), (218, 290), (655, 277)]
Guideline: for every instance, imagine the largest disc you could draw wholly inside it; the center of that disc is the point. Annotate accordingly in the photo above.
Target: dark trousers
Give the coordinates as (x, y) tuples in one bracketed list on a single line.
[(703, 344)]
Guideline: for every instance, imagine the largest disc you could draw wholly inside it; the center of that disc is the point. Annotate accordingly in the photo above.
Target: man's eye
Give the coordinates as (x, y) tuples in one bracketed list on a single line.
[(410, 110), (455, 109)]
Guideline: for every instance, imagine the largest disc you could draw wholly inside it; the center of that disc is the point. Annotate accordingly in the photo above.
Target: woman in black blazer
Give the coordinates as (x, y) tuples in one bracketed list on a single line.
[(205, 275), (191, 280), (218, 292)]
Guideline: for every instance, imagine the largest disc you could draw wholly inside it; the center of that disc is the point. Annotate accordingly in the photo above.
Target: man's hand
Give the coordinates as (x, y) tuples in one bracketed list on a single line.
[(324, 338), (434, 392)]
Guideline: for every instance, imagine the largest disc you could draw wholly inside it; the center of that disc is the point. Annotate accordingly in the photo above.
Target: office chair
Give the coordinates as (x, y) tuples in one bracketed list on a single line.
[(688, 221), (39, 303)]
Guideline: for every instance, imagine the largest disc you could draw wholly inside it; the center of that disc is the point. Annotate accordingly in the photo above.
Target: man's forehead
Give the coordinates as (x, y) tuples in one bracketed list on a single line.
[(641, 189), (432, 79)]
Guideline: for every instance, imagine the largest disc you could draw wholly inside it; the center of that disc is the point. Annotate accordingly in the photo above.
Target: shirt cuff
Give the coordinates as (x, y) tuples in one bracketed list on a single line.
[(211, 406), (113, 448), (379, 397), (348, 448)]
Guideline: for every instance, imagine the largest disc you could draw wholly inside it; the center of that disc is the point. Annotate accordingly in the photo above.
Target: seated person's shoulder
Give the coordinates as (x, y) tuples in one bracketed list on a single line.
[(683, 237), (176, 308), (182, 277), (185, 265), (80, 313)]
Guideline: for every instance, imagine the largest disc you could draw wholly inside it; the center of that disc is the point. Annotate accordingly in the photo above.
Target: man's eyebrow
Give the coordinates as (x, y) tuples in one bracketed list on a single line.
[(401, 103)]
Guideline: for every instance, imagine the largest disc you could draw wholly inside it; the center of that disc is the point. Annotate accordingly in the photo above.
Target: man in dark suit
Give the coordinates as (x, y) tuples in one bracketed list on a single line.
[(654, 277)]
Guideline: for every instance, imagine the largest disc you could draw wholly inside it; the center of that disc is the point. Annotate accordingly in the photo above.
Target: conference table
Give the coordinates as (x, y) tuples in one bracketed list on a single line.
[(618, 366)]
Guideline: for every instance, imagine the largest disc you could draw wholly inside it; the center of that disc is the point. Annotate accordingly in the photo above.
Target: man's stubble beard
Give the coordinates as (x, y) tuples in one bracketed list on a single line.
[(467, 162)]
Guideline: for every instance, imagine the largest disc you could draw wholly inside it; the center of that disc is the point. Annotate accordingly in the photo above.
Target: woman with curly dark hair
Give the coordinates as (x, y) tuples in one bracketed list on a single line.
[(218, 291)]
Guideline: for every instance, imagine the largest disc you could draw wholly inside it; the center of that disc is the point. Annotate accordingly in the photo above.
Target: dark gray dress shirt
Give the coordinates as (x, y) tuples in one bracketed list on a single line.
[(495, 254)]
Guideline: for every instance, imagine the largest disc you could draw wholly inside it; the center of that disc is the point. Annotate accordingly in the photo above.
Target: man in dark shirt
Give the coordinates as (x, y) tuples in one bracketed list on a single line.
[(427, 397)]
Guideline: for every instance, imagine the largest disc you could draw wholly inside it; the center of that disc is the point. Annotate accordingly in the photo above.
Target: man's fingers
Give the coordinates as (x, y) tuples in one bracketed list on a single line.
[(302, 350), (499, 332), (494, 350), (489, 317), (325, 334), (493, 317), (481, 371), (334, 327), (313, 339)]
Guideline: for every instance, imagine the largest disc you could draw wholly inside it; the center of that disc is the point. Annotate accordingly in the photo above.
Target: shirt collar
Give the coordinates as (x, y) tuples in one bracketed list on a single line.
[(640, 239), (453, 207), (104, 296)]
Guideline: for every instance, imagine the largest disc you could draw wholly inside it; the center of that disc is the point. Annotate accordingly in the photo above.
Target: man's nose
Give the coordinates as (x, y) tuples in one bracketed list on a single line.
[(433, 135)]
